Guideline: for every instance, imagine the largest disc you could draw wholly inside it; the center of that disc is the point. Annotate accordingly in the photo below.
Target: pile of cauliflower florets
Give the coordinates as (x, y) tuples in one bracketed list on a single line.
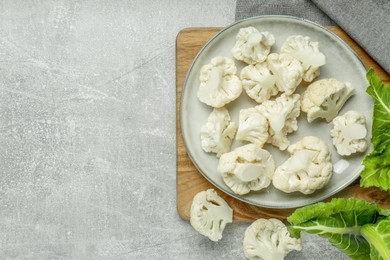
[(271, 79)]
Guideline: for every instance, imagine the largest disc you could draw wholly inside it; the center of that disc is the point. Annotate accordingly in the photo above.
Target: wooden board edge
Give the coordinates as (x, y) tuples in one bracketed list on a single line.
[(179, 139)]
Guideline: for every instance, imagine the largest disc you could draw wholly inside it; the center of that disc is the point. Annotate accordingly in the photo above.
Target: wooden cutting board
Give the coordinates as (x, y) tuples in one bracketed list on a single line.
[(189, 181)]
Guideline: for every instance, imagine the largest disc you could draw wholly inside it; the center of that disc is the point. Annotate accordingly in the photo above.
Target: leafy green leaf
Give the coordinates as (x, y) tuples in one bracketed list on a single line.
[(381, 115), (376, 172), (377, 164), (339, 221), (378, 235)]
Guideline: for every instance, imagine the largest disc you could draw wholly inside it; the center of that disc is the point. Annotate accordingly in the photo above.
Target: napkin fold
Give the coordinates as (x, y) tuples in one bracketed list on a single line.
[(365, 21)]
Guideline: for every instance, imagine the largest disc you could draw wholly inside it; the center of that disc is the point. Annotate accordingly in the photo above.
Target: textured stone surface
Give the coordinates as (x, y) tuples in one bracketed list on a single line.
[(87, 132)]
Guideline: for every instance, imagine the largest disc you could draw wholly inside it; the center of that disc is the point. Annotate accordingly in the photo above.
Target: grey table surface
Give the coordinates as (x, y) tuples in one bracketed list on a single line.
[(87, 132)]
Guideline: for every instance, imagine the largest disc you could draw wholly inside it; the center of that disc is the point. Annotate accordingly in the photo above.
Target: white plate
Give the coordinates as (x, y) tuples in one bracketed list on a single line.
[(342, 64)]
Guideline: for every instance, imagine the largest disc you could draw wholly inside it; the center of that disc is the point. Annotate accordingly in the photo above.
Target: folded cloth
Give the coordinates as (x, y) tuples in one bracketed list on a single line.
[(366, 21), (305, 9)]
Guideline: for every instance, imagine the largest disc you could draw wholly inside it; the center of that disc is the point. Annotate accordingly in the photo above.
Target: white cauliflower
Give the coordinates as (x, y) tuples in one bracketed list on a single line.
[(252, 127), (281, 115), (209, 214), (258, 82), (288, 71), (252, 46), (269, 239), (349, 133), (247, 168), (308, 169), (218, 133), (307, 52), (219, 83), (324, 98)]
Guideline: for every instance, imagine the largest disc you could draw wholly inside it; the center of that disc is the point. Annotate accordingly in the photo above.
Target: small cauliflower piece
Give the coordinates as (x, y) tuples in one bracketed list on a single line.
[(307, 52), (281, 115), (324, 98), (308, 169), (218, 133), (269, 239), (252, 46), (219, 83), (247, 168), (252, 127), (349, 133), (258, 82), (209, 214), (287, 70)]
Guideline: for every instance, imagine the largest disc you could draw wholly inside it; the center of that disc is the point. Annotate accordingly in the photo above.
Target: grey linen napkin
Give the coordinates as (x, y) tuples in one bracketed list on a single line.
[(366, 21)]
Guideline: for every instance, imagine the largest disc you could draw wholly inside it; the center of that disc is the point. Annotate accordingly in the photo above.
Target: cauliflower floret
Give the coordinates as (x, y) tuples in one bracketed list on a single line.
[(281, 114), (209, 214), (307, 52), (252, 127), (288, 71), (269, 239), (308, 169), (258, 82), (218, 133), (324, 98), (349, 132), (247, 168), (219, 83), (252, 46)]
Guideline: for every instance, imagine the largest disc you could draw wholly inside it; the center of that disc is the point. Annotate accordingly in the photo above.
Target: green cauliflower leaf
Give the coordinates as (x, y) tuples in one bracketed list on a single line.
[(378, 236), (377, 163), (339, 221)]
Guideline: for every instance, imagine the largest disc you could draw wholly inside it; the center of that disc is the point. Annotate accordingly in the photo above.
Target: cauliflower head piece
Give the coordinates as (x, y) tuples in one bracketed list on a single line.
[(287, 70), (307, 52), (258, 82), (209, 214), (252, 46), (349, 133), (308, 169), (281, 115), (252, 127), (324, 98), (219, 83), (269, 239), (247, 168), (218, 132)]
